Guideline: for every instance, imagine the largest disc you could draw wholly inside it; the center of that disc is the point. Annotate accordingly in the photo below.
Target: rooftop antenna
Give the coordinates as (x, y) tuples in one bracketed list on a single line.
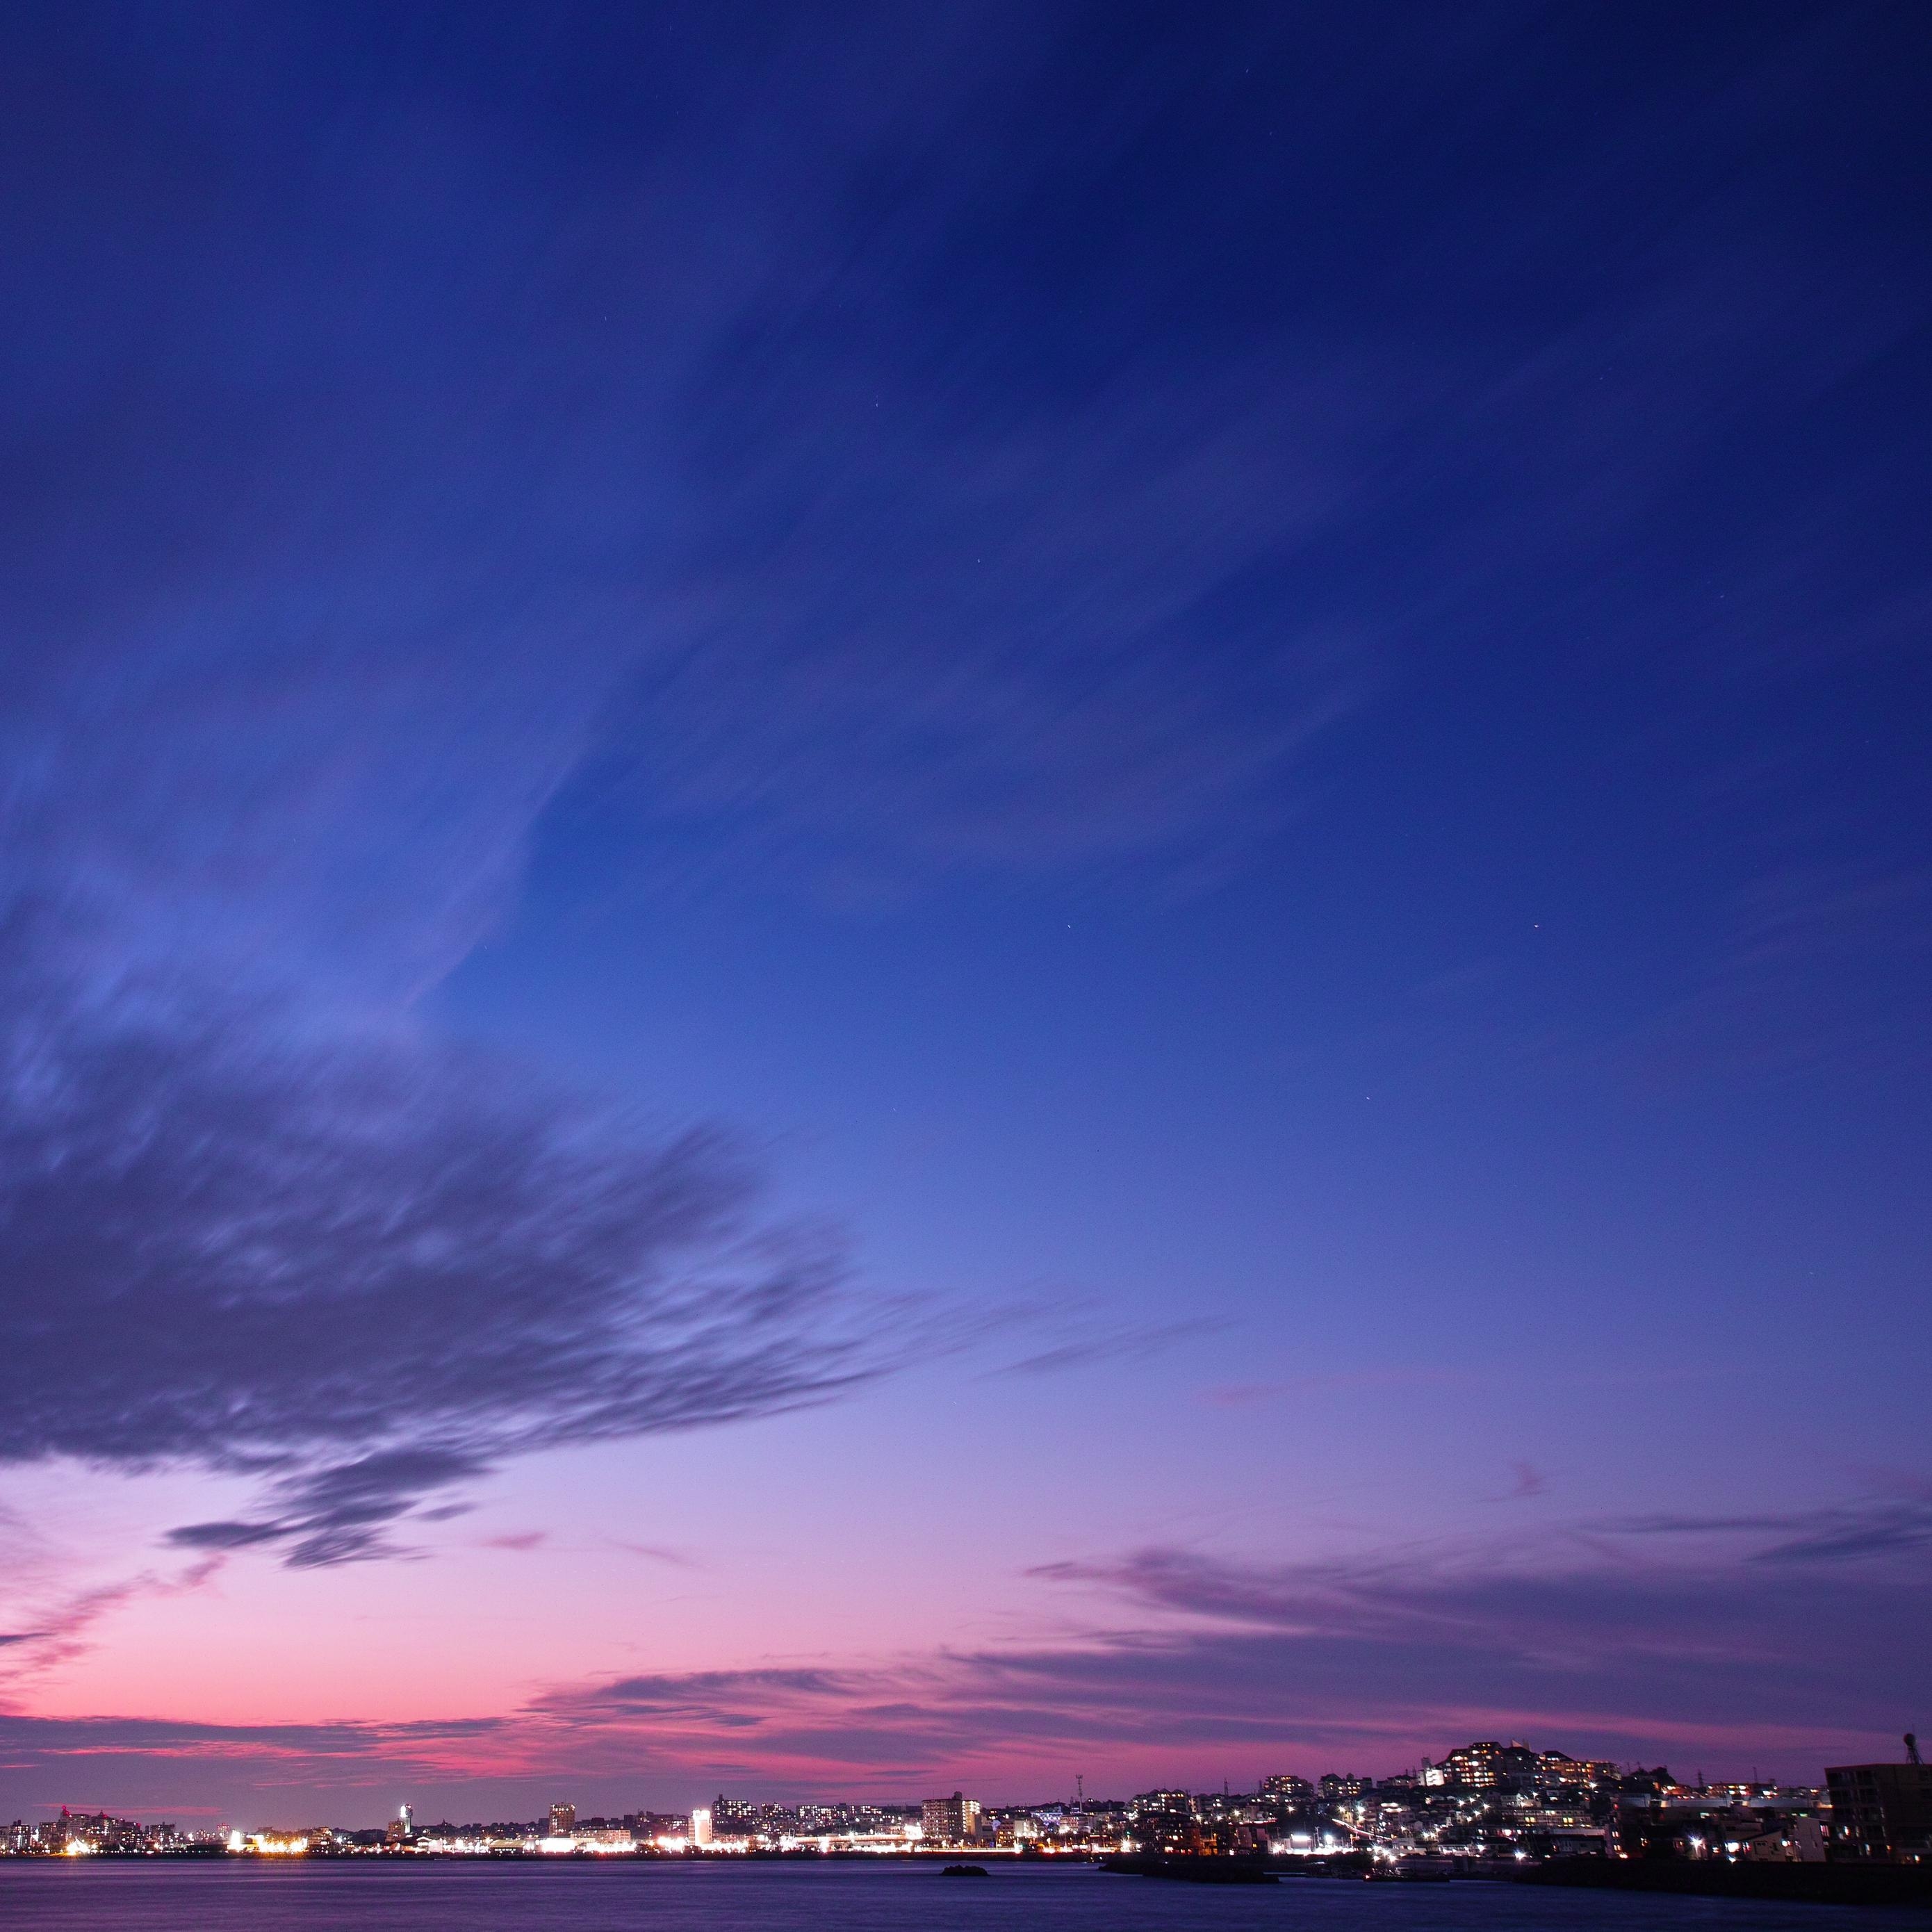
[(1079, 1787), (1912, 1748)]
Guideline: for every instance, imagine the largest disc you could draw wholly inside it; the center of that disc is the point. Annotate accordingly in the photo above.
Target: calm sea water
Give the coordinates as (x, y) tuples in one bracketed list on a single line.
[(54, 1894)]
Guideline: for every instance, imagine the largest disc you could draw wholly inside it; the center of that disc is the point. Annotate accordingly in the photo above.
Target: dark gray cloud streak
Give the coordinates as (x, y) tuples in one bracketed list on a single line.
[(1881, 1525), (372, 1270)]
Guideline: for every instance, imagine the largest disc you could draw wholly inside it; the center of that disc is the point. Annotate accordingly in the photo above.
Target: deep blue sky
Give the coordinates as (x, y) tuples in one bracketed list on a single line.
[(1231, 710)]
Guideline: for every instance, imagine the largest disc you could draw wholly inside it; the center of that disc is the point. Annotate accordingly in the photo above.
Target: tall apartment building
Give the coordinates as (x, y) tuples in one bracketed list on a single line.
[(1485, 1764), (1881, 1811), (950, 1821), (1286, 1787), (733, 1817)]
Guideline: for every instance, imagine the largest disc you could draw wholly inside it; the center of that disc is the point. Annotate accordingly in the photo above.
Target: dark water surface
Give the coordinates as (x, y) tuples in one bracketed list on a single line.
[(398, 1896)]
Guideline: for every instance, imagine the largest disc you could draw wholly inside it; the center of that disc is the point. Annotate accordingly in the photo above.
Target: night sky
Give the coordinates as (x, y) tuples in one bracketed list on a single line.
[(909, 897)]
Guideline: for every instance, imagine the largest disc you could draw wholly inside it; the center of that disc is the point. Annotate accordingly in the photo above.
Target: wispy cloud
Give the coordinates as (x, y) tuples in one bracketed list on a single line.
[(371, 1269), (1076, 1336), (1810, 972), (66, 1625), (660, 1553), (1187, 1664), (1870, 1526), (1530, 1481), (1247, 1395)]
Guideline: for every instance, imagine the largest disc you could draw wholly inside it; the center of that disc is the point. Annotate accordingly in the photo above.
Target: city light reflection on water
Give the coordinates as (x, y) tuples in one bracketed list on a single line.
[(388, 1896)]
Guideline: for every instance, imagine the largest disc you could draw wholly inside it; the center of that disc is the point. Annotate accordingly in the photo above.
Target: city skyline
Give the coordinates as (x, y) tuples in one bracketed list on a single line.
[(1472, 1773), (1489, 1808), (979, 895)]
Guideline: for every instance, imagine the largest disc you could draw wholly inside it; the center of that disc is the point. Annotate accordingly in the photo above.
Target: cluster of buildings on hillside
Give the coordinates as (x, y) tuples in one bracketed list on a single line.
[(1487, 1800)]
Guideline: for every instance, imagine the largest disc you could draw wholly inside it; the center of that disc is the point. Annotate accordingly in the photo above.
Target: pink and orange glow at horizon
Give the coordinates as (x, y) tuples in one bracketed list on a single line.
[(931, 905), (540, 1640)]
